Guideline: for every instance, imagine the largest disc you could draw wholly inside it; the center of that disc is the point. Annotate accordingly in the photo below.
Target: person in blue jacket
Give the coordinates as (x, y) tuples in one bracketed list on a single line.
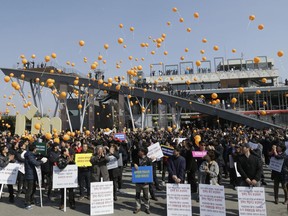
[(176, 167)]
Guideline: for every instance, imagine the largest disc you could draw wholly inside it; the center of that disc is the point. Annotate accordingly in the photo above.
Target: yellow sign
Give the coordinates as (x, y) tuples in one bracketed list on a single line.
[(83, 160)]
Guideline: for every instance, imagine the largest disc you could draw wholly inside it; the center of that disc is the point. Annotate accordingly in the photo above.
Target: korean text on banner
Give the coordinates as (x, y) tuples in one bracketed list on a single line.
[(144, 174), (155, 151), (178, 200), (83, 160), (8, 174), (65, 178), (212, 200)]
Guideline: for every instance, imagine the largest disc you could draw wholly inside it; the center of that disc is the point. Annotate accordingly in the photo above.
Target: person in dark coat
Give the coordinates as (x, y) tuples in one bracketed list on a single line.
[(63, 161), (176, 167), (53, 156), (99, 165), (191, 167), (249, 167), (84, 175), (5, 159), (115, 172), (124, 153), (30, 174)]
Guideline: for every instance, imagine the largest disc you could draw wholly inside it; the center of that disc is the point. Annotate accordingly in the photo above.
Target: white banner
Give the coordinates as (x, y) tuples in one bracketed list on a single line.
[(8, 174), (178, 200), (212, 200), (113, 162), (65, 178), (276, 164), (251, 201), (101, 198), (39, 176), (22, 168), (155, 151)]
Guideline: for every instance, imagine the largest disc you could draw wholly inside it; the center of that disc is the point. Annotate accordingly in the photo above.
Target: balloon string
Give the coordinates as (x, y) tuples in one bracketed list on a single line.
[(123, 33), (179, 14), (248, 25), (133, 35)]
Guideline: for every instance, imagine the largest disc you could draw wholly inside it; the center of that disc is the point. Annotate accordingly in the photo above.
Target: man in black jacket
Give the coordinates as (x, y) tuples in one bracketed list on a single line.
[(249, 167), (176, 167), (5, 159), (30, 174)]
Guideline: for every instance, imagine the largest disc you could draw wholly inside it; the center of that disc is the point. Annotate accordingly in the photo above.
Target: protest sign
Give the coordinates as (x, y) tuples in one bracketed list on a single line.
[(8, 174), (41, 148), (167, 151), (144, 174), (113, 162), (251, 201), (120, 136), (179, 140), (83, 160), (39, 176), (178, 200), (276, 164), (22, 168), (101, 198), (199, 154), (120, 160), (65, 178), (212, 200), (253, 145), (155, 151)]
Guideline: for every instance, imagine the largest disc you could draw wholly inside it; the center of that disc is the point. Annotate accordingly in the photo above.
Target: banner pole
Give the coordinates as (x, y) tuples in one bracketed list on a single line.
[(2, 186), (64, 199)]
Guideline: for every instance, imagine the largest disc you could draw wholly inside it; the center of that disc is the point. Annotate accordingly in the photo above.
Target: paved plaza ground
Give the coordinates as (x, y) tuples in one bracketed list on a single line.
[(125, 204)]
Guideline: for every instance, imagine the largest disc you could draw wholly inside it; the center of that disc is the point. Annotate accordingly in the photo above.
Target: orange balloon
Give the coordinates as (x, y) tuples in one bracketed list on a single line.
[(240, 90), (204, 58), (47, 58), (53, 55), (33, 56), (252, 17), (120, 40), (216, 48), (121, 25), (186, 49), (168, 23), (24, 61), (81, 43), (261, 27), (79, 106), (106, 46), (202, 51), (204, 40), (165, 53), (37, 126), (188, 29), (280, 53), (7, 78), (234, 100), (181, 20), (66, 137), (63, 95), (93, 66), (198, 63), (256, 60), (48, 136), (196, 15), (258, 92), (233, 50), (264, 80), (214, 96), (131, 29), (182, 58), (174, 9)]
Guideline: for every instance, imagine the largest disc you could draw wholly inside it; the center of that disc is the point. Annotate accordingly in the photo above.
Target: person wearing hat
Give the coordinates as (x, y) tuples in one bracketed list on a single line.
[(5, 159), (249, 167), (30, 174), (53, 155)]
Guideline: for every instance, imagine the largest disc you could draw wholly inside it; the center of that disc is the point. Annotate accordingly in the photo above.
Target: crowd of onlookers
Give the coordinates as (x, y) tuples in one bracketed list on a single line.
[(237, 153)]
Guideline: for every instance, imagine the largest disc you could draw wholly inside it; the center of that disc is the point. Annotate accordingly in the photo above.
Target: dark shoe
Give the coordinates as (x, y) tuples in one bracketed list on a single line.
[(29, 207), (154, 198), (11, 199), (72, 206), (115, 198), (276, 201), (147, 211), (158, 189), (264, 183), (61, 207), (136, 211)]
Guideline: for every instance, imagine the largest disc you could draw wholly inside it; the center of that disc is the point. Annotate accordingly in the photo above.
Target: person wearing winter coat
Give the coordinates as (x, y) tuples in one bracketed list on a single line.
[(209, 170), (115, 172), (99, 165), (5, 159), (30, 174)]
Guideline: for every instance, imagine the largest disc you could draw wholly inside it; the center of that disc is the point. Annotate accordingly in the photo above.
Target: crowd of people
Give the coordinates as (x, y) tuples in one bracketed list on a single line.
[(248, 148)]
